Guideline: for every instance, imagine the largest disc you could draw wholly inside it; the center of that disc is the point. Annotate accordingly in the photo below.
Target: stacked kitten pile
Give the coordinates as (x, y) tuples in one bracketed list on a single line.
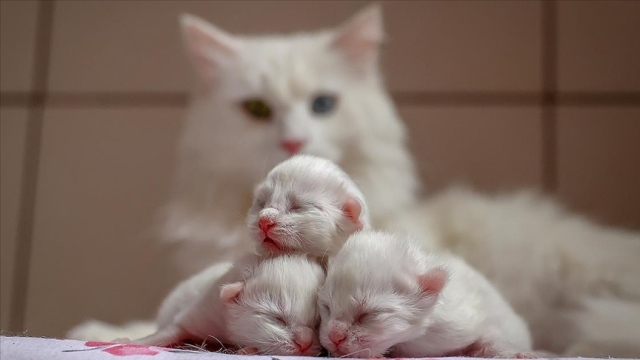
[(322, 278)]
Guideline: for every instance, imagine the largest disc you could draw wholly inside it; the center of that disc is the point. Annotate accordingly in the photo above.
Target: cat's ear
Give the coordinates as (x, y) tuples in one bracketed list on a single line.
[(208, 47), (360, 37), (231, 292), (352, 208), (432, 282)]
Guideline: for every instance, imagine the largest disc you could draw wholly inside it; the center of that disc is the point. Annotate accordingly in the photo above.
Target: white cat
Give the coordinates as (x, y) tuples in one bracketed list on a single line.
[(384, 295), (259, 99)]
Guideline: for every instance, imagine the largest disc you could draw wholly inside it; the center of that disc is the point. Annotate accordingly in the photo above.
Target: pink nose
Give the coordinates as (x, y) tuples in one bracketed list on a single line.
[(303, 338), (303, 344), (292, 146), (266, 224), (337, 337)]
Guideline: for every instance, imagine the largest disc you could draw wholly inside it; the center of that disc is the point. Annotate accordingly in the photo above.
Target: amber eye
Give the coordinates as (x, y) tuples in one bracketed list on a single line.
[(324, 104), (258, 109)]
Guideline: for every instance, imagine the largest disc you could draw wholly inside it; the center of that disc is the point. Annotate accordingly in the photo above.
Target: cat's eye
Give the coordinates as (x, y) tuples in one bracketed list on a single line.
[(258, 109), (324, 104), (365, 316), (325, 307), (259, 203), (280, 320)]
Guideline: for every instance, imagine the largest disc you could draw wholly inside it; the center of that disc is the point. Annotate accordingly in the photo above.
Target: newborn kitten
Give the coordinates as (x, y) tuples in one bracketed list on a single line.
[(308, 205), (383, 294), (260, 305)]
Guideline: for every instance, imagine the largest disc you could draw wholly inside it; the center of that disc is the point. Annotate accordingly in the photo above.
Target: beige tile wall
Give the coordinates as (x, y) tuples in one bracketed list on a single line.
[(13, 126), (468, 76)]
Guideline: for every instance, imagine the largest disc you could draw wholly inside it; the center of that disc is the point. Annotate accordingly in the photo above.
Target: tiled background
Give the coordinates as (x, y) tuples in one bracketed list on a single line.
[(500, 94)]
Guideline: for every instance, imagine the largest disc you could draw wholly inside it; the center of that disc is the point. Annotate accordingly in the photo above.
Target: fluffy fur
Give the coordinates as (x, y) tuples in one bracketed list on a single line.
[(307, 205), (384, 293), (267, 305), (543, 271), (95, 330), (275, 311), (543, 259)]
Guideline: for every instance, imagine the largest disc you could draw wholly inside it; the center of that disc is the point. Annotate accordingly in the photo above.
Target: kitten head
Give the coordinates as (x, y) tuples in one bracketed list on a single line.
[(378, 293), (274, 310), (308, 205), (263, 99)]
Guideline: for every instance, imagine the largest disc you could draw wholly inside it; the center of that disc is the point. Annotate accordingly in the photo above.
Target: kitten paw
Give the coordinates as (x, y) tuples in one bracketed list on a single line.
[(525, 355), (122, 341)]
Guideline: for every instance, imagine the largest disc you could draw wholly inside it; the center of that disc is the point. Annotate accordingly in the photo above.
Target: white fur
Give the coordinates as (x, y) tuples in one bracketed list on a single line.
[(305, 196), (378, 274), (224, 152), (274, 305), (282, 289), (543, 271), (94, 330)]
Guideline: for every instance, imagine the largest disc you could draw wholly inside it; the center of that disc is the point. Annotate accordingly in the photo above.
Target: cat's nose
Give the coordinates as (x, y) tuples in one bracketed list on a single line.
[(303, 341), (303, 338), (266, 224), (337, 337), (292, 146)]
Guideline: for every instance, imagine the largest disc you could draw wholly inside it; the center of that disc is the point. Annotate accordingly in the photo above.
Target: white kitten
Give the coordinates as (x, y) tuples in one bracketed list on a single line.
[(308, 205), (383, 293), (259, 99), (266, 305)]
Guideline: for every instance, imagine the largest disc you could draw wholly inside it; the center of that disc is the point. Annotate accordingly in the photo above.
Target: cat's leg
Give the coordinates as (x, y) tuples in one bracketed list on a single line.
[(608, 328), (164, 337)]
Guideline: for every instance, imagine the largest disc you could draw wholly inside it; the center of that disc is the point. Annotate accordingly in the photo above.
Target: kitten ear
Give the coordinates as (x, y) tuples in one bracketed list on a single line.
[(352, 209), (208, 46), (230, 292), (433, 281), (360, 37)]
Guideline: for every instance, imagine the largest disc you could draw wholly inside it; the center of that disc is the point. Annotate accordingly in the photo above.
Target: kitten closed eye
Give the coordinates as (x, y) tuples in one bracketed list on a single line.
[(366, 316), (280, 320), (326, 308)]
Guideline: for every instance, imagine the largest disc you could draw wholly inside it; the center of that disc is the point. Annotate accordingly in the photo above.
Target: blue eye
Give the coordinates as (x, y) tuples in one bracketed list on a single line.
[(324, 104)]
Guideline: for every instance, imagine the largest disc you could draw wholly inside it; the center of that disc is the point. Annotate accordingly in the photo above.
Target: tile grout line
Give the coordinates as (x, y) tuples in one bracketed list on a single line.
[(409, 98), (31, 163), (550, 97)]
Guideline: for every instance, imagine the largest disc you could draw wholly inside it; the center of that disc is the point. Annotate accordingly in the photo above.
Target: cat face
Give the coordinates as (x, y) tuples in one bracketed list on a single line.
[(306, 205), (275, 310), (278, 96), (372, 300)]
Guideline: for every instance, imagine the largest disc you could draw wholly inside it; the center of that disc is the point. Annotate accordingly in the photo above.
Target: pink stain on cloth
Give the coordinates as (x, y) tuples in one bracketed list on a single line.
[(32, 348)]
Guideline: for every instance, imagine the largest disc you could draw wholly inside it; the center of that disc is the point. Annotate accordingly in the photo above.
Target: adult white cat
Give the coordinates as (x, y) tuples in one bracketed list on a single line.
[(260, 99)]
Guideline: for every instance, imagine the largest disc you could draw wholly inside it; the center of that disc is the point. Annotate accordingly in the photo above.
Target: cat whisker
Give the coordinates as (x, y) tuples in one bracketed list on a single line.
[(355, 352), (264, 166), (219, 342), (240, 215)]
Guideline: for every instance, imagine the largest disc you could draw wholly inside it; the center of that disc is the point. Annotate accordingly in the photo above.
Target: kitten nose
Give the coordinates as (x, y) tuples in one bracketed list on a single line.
[(266, 224), (292, 146), (337, 337), (303, 341)]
